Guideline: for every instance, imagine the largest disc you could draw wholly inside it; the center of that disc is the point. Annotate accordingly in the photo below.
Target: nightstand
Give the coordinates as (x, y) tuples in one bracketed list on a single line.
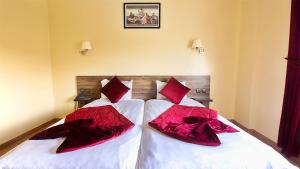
[(81, 99), (204, 101)]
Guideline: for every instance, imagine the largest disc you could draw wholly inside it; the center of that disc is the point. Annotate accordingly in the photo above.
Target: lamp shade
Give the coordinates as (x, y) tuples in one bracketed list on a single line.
[(86, 45), (197, 44)]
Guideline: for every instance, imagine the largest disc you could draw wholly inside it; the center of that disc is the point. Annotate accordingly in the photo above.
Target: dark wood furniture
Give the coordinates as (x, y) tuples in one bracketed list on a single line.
[(205, 102), (144, 87), (82, 99)]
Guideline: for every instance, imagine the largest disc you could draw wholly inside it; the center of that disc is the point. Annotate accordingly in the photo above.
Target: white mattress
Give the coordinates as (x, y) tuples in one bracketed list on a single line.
[(119, 153), (237, 151)]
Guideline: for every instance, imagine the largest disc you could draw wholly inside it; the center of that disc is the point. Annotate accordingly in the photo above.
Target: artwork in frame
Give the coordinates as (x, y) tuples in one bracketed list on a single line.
[(141, 15)]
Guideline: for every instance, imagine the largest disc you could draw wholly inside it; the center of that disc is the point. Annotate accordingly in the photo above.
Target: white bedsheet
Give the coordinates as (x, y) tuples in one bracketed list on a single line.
[(237, 151), (118, 153)]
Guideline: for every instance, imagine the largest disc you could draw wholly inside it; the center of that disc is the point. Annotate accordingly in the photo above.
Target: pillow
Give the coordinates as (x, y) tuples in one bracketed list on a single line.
[(174, 91), (127, 96), (114, 90), (160, 85)]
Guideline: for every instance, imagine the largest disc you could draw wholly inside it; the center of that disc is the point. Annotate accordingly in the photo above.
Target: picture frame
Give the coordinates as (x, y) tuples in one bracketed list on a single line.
[(142, 15)]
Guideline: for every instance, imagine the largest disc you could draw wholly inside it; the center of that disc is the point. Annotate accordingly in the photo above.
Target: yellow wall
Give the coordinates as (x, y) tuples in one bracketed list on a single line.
[(26, 98), (164, 51), (245, 42), (261, 73)]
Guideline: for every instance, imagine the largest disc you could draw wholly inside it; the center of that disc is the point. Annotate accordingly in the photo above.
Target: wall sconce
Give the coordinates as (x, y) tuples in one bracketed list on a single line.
[(197, 44), (85, 47)]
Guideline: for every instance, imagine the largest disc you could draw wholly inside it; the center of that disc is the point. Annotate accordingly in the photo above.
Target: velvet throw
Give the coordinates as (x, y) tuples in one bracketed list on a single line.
[(197, 125), (289, 131), (87, 127)]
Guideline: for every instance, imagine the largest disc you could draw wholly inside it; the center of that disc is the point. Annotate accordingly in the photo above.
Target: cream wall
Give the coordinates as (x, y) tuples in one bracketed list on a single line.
[(245, 42), (164, 51), (261, 69), (26, 98)]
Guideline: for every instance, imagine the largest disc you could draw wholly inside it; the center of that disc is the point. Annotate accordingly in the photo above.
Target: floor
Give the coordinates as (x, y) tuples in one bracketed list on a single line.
[(293, 160), (4, 148)]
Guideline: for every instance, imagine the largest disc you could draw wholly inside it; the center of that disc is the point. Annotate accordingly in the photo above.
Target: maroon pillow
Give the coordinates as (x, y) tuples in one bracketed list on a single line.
[(114, 90), (174, 91)]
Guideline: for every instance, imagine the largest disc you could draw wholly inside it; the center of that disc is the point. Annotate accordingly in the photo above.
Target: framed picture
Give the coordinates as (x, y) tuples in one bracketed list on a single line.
[(141, 15)]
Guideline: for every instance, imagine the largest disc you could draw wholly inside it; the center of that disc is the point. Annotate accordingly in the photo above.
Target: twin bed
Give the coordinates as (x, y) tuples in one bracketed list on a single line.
[(238, 150), (143, 147), (121, 152)]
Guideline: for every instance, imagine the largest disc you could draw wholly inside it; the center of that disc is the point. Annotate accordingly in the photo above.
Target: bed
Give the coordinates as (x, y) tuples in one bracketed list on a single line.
[(238, 150), (119, 153), (143, 147)]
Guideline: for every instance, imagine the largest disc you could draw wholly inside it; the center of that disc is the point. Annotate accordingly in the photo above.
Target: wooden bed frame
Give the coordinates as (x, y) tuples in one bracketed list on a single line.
[(144, 87)]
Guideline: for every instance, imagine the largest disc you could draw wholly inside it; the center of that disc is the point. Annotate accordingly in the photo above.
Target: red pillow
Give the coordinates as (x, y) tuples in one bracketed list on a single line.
[(174, 91), (114, 90)]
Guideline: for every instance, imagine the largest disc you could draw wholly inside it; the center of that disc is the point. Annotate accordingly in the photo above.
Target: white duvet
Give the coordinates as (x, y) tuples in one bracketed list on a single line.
[(237, 151), (118, 153)]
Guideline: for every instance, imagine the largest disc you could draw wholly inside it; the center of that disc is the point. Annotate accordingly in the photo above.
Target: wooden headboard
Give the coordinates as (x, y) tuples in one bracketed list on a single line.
[(144, 87)]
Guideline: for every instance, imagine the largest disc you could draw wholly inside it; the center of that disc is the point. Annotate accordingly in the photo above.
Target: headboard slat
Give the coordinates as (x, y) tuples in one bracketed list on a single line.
[(144, 87)]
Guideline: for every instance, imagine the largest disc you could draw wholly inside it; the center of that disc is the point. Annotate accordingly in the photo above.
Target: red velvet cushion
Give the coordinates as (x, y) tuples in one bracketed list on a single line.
[(174, 91), (114, 90)]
